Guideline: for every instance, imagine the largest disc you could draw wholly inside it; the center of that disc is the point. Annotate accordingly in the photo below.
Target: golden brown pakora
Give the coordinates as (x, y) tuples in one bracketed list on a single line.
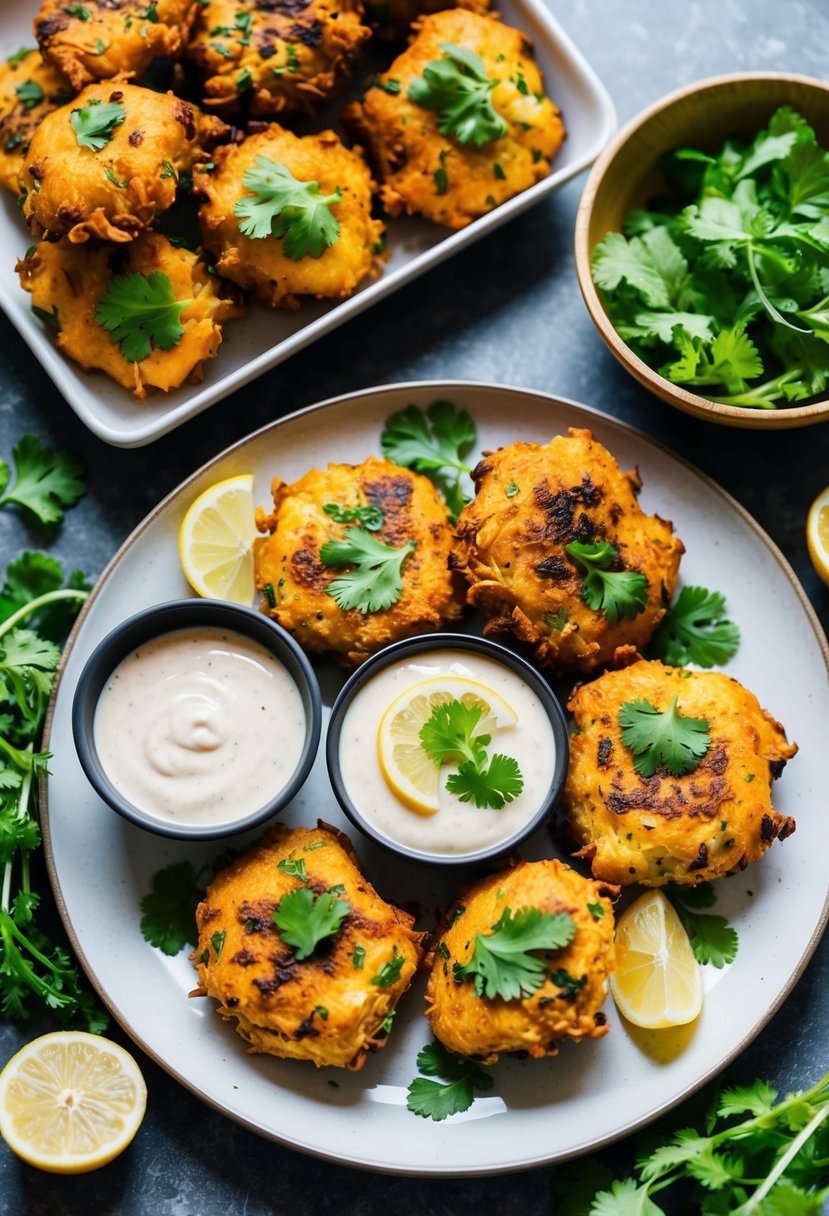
[(422, 164), (29, 90), (67, 282), (565, 1004), (322, 507), (392, 20), (108, 163), (99, 39), (662, 828), (329, 1001), (276, 57), (270, 170), (532, 504)]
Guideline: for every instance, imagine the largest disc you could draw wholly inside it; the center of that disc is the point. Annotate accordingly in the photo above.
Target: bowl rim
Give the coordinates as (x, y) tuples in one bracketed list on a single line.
[(167, 617), (449, 641), (690, 403)]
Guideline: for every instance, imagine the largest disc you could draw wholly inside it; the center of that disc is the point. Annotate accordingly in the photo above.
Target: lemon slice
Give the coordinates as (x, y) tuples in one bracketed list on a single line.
[(407, 770), (215, 541), (817, 534), (657, 982), (70, 1102)]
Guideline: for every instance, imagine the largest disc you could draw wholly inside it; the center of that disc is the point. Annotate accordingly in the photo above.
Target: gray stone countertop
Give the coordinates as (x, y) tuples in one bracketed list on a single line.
[(507, 310)]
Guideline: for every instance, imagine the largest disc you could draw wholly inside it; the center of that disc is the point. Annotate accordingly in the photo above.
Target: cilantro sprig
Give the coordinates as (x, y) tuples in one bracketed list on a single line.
[(376, 581), (140, 312), (45, 482), (617, 593), (434, 442), (712, 938), (458, 87), (663, 738), (292, 211), (450, 736), (451, 1095), (168, 910), (94, 125), (305, 919), (367, 516), (695, 629), (501, 964)]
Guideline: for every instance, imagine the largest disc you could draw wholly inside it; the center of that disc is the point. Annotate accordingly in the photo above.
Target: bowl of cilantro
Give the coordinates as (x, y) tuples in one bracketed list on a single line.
[(702, 249)]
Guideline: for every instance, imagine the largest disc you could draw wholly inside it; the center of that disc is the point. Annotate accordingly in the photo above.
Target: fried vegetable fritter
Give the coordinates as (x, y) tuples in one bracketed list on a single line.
[(67, 281), (660, 829), (568, 1002), (533, 500), (424, 172), (275, 57), (392, 20), (260, 265), (29, 90), (113, 182), (331, 1006), (100, 38)]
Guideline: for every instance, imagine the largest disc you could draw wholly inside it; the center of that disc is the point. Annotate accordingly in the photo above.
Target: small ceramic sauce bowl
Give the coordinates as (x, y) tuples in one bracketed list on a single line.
[(197, 719), (396, 794)]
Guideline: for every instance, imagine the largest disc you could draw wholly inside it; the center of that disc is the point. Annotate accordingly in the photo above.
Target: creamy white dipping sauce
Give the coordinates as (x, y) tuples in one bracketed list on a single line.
[(200, 726), (456, 827)]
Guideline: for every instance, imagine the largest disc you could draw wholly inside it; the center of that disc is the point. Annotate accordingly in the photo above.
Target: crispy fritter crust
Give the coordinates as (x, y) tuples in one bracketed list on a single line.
[(66, 282), (114, 36), (288, 559), (256, 978), (259, 265), (392, 20), (481, 1027), (275, 57), (531, 501), (116, 192), (659, 829), (424, 172), (20, 116)]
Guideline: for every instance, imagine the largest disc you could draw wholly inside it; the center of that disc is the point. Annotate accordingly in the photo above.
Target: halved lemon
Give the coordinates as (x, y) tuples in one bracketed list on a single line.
[(70, 1102), (215, 541), (408, 771), (817, 534), (657, 982)]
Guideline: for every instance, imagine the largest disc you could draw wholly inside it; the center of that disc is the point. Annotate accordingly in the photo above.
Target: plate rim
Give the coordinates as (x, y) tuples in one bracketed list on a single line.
[(316, 1151)]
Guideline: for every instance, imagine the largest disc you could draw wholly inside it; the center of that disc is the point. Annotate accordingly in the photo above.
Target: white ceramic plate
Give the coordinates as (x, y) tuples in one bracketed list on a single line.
[(267, 337), (539, 1111)]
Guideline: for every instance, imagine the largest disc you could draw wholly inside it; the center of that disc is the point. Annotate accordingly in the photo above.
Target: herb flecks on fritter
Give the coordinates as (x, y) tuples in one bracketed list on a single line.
[(148, 314), (288, 216), (459, 123), (670, 775), (298, 947), (275, 58), (349, 585), (522, 963), (100, 38), (106, 164), (558, 552), (29, 90)]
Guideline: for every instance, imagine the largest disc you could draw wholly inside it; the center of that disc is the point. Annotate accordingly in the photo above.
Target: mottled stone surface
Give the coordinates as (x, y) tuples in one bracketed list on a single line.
[(507, 310)]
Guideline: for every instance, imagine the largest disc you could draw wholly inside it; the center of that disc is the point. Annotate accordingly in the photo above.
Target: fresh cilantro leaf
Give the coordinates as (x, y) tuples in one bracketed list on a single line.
[(140, 312), (695, 630), (755, 1099), (390, 972), (617, 593), (625, 1198), (376, 582), (168, 918), (37, 576), (295, 867), (292, 211), (433, 442), (453, 1094), (713, 940), (17, 58), (45, 482), (29, 93), (450, 736), (94, 125), (500, 782), (369, 517), (663, 738), (304, 919), (458, 87), (501, 965)]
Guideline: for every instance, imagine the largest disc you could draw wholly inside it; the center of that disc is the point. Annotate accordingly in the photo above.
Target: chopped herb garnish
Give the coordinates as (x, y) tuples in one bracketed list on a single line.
[(390, 972), (570, 984), (556, 620), (217, 941), (498, 172), (293, 867), (596, 909), (29, 93), (292, 211), (663, 738), (168, 912), (449, 737), (712, 939), (501, 965), (454, 1093), (695, 630), (322, 1011), (151, 11), (269, 594), (17, 58), (369, 517), (244, 81), (304, 919), (94, 125), (458, 87), (110, 175), (140, 312), (50, 319), (358, 958), (376, 581), (434, 442), (616, 593), (511, 490)]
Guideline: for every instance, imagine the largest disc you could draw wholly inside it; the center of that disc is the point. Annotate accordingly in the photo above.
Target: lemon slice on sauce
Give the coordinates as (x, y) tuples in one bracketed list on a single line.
[(658, 981), (407, 770), (817, 534), (70, 1102), (215, 541)]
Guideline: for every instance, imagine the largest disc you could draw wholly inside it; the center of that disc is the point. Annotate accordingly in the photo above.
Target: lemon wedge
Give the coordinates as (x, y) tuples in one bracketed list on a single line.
[(70, 1102), (407, 770), (657, 982), (817, 534), (215, 541)]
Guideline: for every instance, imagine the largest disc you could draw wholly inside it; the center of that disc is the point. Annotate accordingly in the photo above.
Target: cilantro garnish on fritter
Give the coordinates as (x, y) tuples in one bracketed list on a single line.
[(617, 593), (94, 125), (140, 312), (304, 919), (695, 629), (292, 211), (367, 516), (451, 1095), (449, 737), (663, 738), (376, 581), (501, 964), (434, 442), (458, 87)]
